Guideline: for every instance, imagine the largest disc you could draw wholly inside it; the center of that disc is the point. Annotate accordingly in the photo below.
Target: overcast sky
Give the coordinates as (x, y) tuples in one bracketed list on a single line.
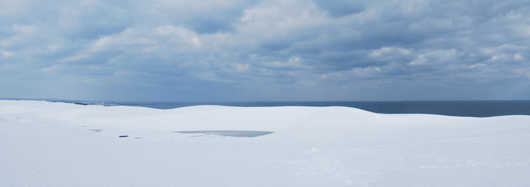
[(271, 50)]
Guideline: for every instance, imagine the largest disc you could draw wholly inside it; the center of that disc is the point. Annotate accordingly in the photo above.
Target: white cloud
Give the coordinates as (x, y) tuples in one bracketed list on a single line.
[(7, 54), (420, 59), (479, 65), (126, 38), (435, 57), (389, 51), (55, 47), (25, 29), (49, 68), (511, 46), (522, 72), (518, 56), (293, 62), (74, 58), (240, 67)]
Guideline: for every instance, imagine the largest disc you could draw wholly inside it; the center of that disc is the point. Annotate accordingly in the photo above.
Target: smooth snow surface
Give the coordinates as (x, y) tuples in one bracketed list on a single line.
[(59, 144)]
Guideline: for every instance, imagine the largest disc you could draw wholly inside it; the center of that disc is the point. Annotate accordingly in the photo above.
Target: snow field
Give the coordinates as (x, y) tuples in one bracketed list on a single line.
[(60, 144)]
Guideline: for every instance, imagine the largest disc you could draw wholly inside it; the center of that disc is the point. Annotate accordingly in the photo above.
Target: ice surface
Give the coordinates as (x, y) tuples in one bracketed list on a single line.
[(59, 144), (228, 133)]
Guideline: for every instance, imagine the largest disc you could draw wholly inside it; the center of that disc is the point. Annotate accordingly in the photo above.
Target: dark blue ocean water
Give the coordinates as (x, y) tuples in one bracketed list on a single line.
[(450, 108)]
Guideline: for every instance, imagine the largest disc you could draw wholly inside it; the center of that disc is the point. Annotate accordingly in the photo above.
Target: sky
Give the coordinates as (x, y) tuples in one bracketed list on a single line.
[(270, 50)]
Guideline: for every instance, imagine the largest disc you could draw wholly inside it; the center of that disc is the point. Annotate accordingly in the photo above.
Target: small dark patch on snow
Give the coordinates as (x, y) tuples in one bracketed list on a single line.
[(124, 136)]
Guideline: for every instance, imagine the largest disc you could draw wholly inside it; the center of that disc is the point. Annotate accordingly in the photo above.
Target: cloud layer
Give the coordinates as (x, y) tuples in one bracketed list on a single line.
[(265, 50)]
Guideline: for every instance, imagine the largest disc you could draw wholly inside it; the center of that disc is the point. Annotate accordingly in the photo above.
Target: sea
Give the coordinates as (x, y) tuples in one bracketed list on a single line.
[(475, 108)]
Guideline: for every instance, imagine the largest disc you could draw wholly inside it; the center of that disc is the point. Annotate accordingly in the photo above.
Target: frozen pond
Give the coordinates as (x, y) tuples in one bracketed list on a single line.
[(232, 133)]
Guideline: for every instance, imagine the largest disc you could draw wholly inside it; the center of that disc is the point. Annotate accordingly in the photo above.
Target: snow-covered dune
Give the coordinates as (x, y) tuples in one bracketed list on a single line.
[(60, 144)]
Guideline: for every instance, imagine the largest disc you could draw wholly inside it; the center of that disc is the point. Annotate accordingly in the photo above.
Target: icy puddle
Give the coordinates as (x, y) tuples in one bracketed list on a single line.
[(229, 133)]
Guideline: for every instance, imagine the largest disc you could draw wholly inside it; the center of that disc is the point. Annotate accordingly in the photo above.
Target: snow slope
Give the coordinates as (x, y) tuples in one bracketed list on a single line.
[(60, 144)]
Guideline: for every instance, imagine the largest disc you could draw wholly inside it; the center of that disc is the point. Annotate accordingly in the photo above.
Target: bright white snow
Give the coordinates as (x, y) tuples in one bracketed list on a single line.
[(59, 144)]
